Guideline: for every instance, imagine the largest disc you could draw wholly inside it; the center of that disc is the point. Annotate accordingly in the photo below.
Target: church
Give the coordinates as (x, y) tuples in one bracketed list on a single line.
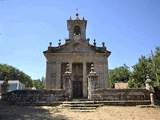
[(78, 71), (79, 54)]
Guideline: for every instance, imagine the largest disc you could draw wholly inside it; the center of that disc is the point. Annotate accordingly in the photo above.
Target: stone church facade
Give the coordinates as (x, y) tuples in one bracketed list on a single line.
[(79, 70), (78, 54)]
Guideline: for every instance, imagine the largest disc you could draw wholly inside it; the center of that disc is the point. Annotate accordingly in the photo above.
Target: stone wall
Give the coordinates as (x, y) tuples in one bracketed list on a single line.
[(50, 97), (30, 97), (157, 94), (120, 94)]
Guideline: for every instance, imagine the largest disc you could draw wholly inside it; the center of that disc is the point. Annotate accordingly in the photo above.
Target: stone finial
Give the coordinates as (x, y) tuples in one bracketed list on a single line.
[(67, 40), (150, 88), (83, 18), (59, 42), (70, 18), (77, 16), (92, 69), (148, 80), (50, 44), (88, 40), (67, 69), (103, 44), (94, 43), (148, 84)]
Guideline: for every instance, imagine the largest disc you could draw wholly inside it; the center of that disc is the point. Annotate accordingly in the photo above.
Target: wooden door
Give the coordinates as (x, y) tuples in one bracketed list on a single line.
[(77, 89), (77, 84)]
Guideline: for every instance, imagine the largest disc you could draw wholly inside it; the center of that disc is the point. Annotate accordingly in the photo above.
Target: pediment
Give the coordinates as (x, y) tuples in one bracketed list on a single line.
[(76, 46)]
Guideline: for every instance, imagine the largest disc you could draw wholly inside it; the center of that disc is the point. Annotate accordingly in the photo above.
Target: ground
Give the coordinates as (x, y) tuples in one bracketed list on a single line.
[(10, 112)]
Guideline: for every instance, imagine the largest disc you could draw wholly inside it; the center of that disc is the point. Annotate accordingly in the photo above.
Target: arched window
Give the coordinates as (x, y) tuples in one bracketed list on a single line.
[(77, 30)]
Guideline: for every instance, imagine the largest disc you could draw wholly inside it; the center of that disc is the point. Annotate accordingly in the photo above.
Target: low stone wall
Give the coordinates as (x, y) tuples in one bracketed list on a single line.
[(121, 94), (31, 97), (157, 94), (53, 97)]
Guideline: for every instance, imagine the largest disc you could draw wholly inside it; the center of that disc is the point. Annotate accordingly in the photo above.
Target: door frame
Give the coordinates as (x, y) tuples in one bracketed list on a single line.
[(77, 76)]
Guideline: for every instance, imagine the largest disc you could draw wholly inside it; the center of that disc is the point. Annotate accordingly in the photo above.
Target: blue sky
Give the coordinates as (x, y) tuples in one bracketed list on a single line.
[(129, 28)]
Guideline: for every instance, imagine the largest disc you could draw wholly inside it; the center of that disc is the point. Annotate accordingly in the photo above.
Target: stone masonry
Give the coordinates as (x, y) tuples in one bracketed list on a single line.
[(79, 54)]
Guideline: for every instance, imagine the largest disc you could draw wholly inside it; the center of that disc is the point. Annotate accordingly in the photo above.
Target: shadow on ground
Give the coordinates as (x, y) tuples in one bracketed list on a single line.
[(13, 112)]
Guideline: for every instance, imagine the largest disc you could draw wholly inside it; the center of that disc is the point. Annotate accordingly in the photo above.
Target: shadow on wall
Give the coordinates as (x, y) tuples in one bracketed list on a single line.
[(157, 94), (13, 112)]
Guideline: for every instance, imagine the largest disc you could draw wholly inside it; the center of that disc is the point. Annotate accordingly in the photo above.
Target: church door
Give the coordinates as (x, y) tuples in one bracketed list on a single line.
[(77, 84), (77, 89)]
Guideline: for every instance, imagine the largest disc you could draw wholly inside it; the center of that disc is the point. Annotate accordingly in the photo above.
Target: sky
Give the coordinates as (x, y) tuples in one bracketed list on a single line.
[(129, 28)]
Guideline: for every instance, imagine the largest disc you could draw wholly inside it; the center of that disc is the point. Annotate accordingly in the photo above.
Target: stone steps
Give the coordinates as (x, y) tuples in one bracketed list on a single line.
[(81, 106), (126, 103), (89, 103), (90, 106), (83, 109)]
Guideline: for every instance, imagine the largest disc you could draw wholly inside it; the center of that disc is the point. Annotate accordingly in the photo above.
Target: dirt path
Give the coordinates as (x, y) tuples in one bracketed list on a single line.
[(52, 113), (116, 113)]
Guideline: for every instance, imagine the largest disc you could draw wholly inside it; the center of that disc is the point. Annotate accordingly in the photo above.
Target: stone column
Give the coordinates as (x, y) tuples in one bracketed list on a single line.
[(67, 86), (92, 82), (85, 92), (152, 99), (70, 69), (150, 88)]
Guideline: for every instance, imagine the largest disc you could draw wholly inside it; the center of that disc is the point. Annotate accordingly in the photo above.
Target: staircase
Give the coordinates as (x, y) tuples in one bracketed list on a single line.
[(90, 106), (81, 106)]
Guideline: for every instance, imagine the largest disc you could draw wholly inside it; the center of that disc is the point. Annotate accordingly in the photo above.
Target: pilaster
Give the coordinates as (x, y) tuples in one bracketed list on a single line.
[(58, 75), (85, 91)]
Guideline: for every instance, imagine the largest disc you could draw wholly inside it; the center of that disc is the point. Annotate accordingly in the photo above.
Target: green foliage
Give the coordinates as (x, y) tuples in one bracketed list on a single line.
[(136, 78), (143, 68), (147, 66), (38, 84), (131, 83), (119, 74), (156, 65), (15, 74)]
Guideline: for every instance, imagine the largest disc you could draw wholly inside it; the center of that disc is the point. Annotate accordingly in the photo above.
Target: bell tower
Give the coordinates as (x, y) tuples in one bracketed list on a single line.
[(77, 28)]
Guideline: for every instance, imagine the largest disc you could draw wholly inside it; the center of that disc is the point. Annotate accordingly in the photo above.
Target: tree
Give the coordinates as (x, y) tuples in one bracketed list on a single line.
[(15, 74), (136, 78), (43, 81), (38, 84), (143, 68), (119, 74), (156, 65)]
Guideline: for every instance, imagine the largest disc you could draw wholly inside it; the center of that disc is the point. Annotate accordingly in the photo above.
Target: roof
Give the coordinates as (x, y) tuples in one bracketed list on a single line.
[(57, 49)]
